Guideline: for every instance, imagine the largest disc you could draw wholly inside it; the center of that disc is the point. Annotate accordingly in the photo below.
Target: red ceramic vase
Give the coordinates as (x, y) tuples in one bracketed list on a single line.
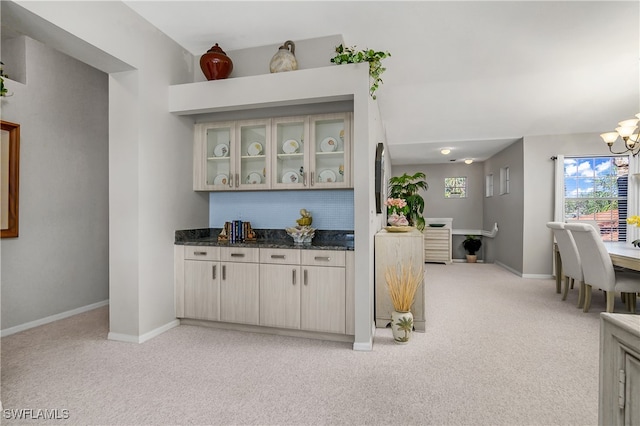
[(215, 64)]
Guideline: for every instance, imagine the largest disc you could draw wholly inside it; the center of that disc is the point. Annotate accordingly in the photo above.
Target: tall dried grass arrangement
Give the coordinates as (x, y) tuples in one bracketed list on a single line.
[(403, 286)]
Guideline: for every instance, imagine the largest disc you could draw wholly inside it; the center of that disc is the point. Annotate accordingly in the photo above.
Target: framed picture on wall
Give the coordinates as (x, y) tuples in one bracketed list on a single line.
[(9, 167), (380, 187)]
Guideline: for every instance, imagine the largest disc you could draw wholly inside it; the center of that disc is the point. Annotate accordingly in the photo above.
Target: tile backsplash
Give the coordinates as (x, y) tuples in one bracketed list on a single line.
[(331, 209)]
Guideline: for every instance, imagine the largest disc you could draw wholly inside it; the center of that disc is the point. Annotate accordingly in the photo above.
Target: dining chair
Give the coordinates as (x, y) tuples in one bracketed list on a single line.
[(571, 266), (598, 270)]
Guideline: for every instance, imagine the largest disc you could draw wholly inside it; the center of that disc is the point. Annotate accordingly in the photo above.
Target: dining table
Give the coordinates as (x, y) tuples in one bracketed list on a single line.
[(622, 254)]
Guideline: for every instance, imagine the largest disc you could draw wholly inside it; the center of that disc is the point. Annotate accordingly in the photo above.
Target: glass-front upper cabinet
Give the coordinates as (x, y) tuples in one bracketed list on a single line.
[(289, 163), (212, 165), (253, 144), (305, 152), (330, 150)]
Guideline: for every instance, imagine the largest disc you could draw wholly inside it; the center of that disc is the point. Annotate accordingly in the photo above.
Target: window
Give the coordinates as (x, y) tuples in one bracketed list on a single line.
[(455, 187), (595, 189), (488, 186), (504, 180)]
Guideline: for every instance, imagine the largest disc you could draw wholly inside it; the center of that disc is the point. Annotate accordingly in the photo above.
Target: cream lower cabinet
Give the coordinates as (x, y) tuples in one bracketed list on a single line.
[(393, 249), (307, 290), (310, 296), (323, 299), (202, 290), (198, 282), (239, 289)]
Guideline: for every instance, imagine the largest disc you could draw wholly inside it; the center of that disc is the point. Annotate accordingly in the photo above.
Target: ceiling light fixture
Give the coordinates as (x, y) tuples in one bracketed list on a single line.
[(626, 132), (445, 151), (468, 161)]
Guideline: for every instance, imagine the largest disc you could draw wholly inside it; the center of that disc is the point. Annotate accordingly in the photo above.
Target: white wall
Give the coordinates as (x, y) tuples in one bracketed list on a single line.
[(507, 210), (466, 212), (59, 262), (150, 156), (539, 191)]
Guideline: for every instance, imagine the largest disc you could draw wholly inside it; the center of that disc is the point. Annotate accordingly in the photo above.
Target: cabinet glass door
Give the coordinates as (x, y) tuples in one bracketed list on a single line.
[(253, 146), (218, 156), (289, 162), (331, 143)]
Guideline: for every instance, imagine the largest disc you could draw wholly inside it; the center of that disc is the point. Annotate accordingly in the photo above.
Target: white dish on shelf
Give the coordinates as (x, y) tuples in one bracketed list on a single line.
[(290, 146), (328, 144), (327, 176), (255, 149), (290, 177), (254, 178), (221, 179), (221, 150)]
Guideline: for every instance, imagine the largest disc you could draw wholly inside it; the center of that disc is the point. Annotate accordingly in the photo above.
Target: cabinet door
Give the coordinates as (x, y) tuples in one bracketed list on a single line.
[(252, 148), (290, 160), (280, 296), (323, 299), (212, 154), (202, 290), (632, 390), (239, 290), (330, 151)]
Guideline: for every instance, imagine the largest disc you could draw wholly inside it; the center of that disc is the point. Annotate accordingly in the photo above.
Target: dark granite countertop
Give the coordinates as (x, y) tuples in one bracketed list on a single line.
[(268, 238)]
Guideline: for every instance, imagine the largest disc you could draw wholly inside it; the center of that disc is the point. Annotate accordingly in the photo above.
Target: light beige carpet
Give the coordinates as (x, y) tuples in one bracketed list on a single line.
[(498, 350)]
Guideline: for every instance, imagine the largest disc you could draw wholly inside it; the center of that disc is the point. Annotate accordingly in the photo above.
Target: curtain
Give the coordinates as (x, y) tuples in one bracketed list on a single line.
[(558, 205)]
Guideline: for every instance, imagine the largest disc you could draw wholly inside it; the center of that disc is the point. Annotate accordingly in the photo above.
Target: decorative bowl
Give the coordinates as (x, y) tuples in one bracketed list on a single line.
[(301, 234), (437, 225)]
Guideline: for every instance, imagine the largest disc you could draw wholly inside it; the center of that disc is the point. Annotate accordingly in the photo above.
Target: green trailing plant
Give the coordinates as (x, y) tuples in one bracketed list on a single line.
[(472, 244), (3, 89), (407, 187), (349, 55)]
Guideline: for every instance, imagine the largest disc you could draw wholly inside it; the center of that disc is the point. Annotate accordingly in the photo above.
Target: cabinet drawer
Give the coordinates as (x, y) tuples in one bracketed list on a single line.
[(437, 235), (201, 253), (322, 257), (436, 245), (280, 256), (239, 254)]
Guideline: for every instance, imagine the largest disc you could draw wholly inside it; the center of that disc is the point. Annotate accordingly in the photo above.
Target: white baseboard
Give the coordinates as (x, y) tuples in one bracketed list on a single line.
[(366, 346), (129, 338), (52, 318), (508, 268), (538, 276), (520, 274)]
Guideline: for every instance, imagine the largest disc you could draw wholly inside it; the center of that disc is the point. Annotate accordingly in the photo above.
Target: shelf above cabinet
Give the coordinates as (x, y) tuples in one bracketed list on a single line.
[(318, 85)]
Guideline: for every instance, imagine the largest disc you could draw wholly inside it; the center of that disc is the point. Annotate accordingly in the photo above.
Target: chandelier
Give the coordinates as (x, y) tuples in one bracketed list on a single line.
[(626, 131)]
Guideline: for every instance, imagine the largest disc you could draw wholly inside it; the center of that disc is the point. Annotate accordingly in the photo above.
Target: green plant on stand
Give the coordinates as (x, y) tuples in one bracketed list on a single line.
[(407, 188), (349, 55)]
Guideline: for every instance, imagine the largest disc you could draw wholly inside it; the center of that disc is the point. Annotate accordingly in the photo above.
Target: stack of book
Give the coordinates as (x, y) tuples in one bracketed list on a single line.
[(237, 231)]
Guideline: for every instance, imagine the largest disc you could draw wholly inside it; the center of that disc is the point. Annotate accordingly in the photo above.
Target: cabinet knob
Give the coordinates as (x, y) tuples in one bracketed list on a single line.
[(200, 253), (277, 256), (224, 272), (305, 277), (294, 277), (237, 254), (325, 258), (213, 272)]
